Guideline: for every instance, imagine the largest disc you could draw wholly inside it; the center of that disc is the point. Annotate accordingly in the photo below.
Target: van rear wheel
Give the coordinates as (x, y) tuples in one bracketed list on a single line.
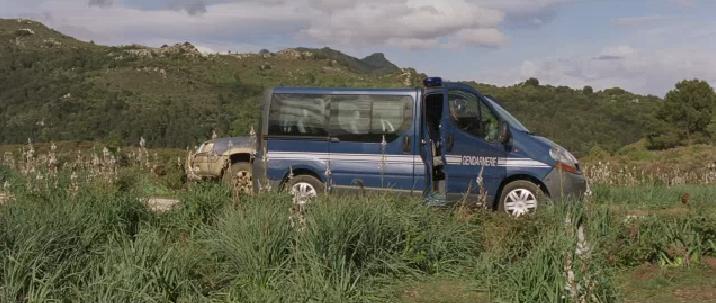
[(521, 198), (304, 187)]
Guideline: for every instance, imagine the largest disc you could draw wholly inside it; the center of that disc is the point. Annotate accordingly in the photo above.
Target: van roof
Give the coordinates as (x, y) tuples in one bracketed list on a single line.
[(342, 90), (348, 90)]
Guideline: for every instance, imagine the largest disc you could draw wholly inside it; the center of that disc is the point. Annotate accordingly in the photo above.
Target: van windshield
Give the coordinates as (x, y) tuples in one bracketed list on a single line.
[(505, 115)]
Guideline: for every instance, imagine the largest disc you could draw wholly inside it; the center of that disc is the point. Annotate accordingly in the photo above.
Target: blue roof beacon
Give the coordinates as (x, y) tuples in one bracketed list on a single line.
[(433, 81)]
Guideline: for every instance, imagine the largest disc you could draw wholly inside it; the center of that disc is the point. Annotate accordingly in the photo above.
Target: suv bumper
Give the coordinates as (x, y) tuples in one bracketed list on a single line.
[(189, 168), (562, 185)]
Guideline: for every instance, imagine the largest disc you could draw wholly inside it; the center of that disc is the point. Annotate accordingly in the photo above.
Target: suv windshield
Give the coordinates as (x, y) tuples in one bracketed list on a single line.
[(505, 115)]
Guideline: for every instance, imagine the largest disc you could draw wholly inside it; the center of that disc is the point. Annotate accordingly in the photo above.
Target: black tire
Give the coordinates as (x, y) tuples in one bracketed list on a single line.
[(518, 207), (317, 185), (238, 178)]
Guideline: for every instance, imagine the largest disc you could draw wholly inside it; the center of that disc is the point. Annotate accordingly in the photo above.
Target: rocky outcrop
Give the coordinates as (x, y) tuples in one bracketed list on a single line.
[(51, 43), (148, 69), (24, 32), (180, 49), (296, 53)]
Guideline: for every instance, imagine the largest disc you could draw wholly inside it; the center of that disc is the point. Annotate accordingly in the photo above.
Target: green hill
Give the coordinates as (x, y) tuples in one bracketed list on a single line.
[(54, 87), (579, 120)]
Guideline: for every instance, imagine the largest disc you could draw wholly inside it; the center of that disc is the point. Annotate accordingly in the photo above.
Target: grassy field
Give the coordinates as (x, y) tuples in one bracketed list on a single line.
[(94, 241)]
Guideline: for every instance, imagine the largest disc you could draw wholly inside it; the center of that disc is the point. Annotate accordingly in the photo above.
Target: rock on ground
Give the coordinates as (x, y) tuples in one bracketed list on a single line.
[(160, 204)]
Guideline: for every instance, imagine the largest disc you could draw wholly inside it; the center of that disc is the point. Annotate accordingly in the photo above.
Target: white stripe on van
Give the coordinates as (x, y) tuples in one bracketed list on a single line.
[(394, 159)]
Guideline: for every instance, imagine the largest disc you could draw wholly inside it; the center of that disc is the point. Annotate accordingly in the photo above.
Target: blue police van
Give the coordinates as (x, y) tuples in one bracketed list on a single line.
[(445, 141)]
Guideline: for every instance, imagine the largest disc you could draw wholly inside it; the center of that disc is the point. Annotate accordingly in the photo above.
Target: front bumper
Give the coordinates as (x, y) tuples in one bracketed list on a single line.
[(562, 185)]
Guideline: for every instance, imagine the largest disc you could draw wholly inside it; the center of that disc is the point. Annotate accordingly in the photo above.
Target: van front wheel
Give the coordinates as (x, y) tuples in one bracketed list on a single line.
[(520, 198)]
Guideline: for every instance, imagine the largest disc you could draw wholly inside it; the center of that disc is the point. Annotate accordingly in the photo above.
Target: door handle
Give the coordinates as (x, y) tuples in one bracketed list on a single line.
[(450, 142), (334, 140)]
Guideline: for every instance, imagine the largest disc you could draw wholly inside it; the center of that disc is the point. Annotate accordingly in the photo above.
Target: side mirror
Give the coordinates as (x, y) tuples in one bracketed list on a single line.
[(505, 133)]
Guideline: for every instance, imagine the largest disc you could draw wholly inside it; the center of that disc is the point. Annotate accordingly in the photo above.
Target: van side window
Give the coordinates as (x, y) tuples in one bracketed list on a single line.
[(472, 116), (367, 118), (302, 115), (465, 111)]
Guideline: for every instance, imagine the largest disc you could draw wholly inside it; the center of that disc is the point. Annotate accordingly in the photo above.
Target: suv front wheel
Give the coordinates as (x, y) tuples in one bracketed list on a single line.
[(238, 178)]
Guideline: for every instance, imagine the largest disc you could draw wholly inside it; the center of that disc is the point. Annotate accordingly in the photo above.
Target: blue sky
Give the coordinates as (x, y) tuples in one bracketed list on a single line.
[(640, 45)]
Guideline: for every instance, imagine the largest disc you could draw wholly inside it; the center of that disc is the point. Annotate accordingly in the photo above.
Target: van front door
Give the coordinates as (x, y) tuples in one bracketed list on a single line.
[(432, 107), (469, 131), (371, 141)]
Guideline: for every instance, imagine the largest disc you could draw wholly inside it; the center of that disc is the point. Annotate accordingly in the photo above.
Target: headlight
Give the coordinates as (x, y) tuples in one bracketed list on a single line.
[(565, 160)]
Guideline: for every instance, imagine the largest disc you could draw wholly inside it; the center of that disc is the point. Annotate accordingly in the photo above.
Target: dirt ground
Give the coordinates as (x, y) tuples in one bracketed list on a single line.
[(651, 283), (154, 204), (442, 290)]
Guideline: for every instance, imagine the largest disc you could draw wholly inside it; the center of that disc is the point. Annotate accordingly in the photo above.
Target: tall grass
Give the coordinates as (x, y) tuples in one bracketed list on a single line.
[(100, 244), (48, 241), (544, 259)]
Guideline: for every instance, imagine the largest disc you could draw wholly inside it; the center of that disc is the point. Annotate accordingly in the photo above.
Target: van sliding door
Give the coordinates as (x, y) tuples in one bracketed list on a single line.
[(371, 141)]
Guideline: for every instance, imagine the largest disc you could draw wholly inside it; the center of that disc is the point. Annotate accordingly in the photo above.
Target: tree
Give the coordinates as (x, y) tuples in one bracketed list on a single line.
[(532, 81), (685, 115), (264, 52), (587, 90)]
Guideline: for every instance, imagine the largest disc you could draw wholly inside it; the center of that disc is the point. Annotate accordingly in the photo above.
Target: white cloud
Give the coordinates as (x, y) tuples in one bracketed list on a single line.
[(413, 43), (227, 24), (407, 23), (101, 3), (616, 52), (525, 13), (339, 23), (642, 21), (482, 36), (639, 70)]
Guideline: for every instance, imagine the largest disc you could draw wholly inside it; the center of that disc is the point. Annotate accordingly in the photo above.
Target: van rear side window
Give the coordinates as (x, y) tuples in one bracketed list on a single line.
[(302, 115), (367, 118)]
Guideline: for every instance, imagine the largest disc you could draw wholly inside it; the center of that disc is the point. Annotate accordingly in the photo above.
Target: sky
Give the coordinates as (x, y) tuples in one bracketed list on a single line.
[(644, 46)]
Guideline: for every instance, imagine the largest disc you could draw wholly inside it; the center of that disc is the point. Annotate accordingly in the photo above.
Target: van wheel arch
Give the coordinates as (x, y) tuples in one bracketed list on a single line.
[(302, 171), (517, 177)]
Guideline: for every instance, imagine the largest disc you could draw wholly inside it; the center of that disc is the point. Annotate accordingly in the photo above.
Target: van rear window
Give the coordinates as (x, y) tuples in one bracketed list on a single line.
[(302, 115), (367, 118), (354, 117)]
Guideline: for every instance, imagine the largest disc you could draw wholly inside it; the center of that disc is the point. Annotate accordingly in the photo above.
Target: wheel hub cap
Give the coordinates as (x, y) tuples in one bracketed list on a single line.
[(303, 191), (520, 202)]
